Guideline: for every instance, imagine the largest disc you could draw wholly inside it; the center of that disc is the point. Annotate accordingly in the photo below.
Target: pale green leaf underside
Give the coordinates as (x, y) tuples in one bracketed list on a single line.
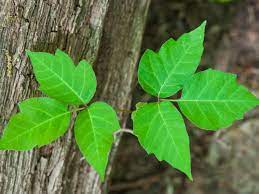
[(161, 130), (213, 99), (94, 130), (162, 74), (39, 122), (59, 78)]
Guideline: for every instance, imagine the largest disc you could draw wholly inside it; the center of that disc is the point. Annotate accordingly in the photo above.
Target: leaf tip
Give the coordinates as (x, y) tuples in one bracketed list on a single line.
[(202, 27), (204, 23), (189, 175)]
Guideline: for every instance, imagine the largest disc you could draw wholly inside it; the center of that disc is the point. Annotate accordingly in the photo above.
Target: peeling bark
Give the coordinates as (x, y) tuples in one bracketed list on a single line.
[(105, 32)]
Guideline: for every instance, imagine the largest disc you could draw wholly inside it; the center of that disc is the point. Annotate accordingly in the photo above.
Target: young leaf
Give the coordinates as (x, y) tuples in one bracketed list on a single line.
[(60, 79), (161, 130), (164, 74), (94, 130), (213, 99), (39, 122)]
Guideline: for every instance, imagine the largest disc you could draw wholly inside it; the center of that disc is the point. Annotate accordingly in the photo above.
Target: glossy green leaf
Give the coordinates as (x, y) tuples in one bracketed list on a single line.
[(162, 74), (39, 122), (161, 130), (94, 130), (213, 99), (59, 78)]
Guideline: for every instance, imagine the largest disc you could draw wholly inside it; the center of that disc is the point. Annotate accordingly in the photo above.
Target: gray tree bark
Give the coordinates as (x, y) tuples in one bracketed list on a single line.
[(108, 34)]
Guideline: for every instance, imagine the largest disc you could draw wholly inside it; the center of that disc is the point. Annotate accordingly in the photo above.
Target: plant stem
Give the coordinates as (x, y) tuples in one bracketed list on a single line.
[(124, 110), (129, 131), (78, 109), (118, 110), (171, 100)]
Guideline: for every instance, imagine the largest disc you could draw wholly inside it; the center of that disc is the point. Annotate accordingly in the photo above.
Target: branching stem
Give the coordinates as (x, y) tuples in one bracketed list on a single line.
[(77, 109)]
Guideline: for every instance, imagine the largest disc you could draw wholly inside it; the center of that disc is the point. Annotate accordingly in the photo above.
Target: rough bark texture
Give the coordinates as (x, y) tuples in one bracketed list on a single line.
[(105, 32)]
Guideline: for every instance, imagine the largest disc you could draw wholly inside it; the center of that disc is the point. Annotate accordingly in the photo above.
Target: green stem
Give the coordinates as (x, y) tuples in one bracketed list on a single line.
[(118, 110), (171, 100), (124, 110), (77, 109)]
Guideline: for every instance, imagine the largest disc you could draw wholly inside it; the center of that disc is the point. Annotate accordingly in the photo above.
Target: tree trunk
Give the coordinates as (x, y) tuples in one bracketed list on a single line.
[(107, 33)]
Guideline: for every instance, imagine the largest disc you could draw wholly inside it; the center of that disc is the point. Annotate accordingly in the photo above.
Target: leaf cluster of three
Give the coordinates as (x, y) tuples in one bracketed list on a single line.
[(210, 99), (42, 120)]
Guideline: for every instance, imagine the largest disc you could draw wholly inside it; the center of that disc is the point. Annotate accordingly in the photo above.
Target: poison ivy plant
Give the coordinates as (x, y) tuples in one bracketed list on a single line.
[(161, 130), (162, 74), (94, 130), (213, 99), (59, 78), (42, 120), (210, 99)]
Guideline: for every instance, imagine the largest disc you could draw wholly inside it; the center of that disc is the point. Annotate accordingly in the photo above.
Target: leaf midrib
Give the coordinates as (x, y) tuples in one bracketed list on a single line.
[(44, 122), (172, 71), (170, 135), (95, 139), (63, 81)]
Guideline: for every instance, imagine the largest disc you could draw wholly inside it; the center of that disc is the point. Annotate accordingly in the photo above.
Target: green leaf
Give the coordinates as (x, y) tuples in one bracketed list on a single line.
[(161, 130), (213, 99), (163, 74), (60, 79), (94, 130), (39, 122)]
